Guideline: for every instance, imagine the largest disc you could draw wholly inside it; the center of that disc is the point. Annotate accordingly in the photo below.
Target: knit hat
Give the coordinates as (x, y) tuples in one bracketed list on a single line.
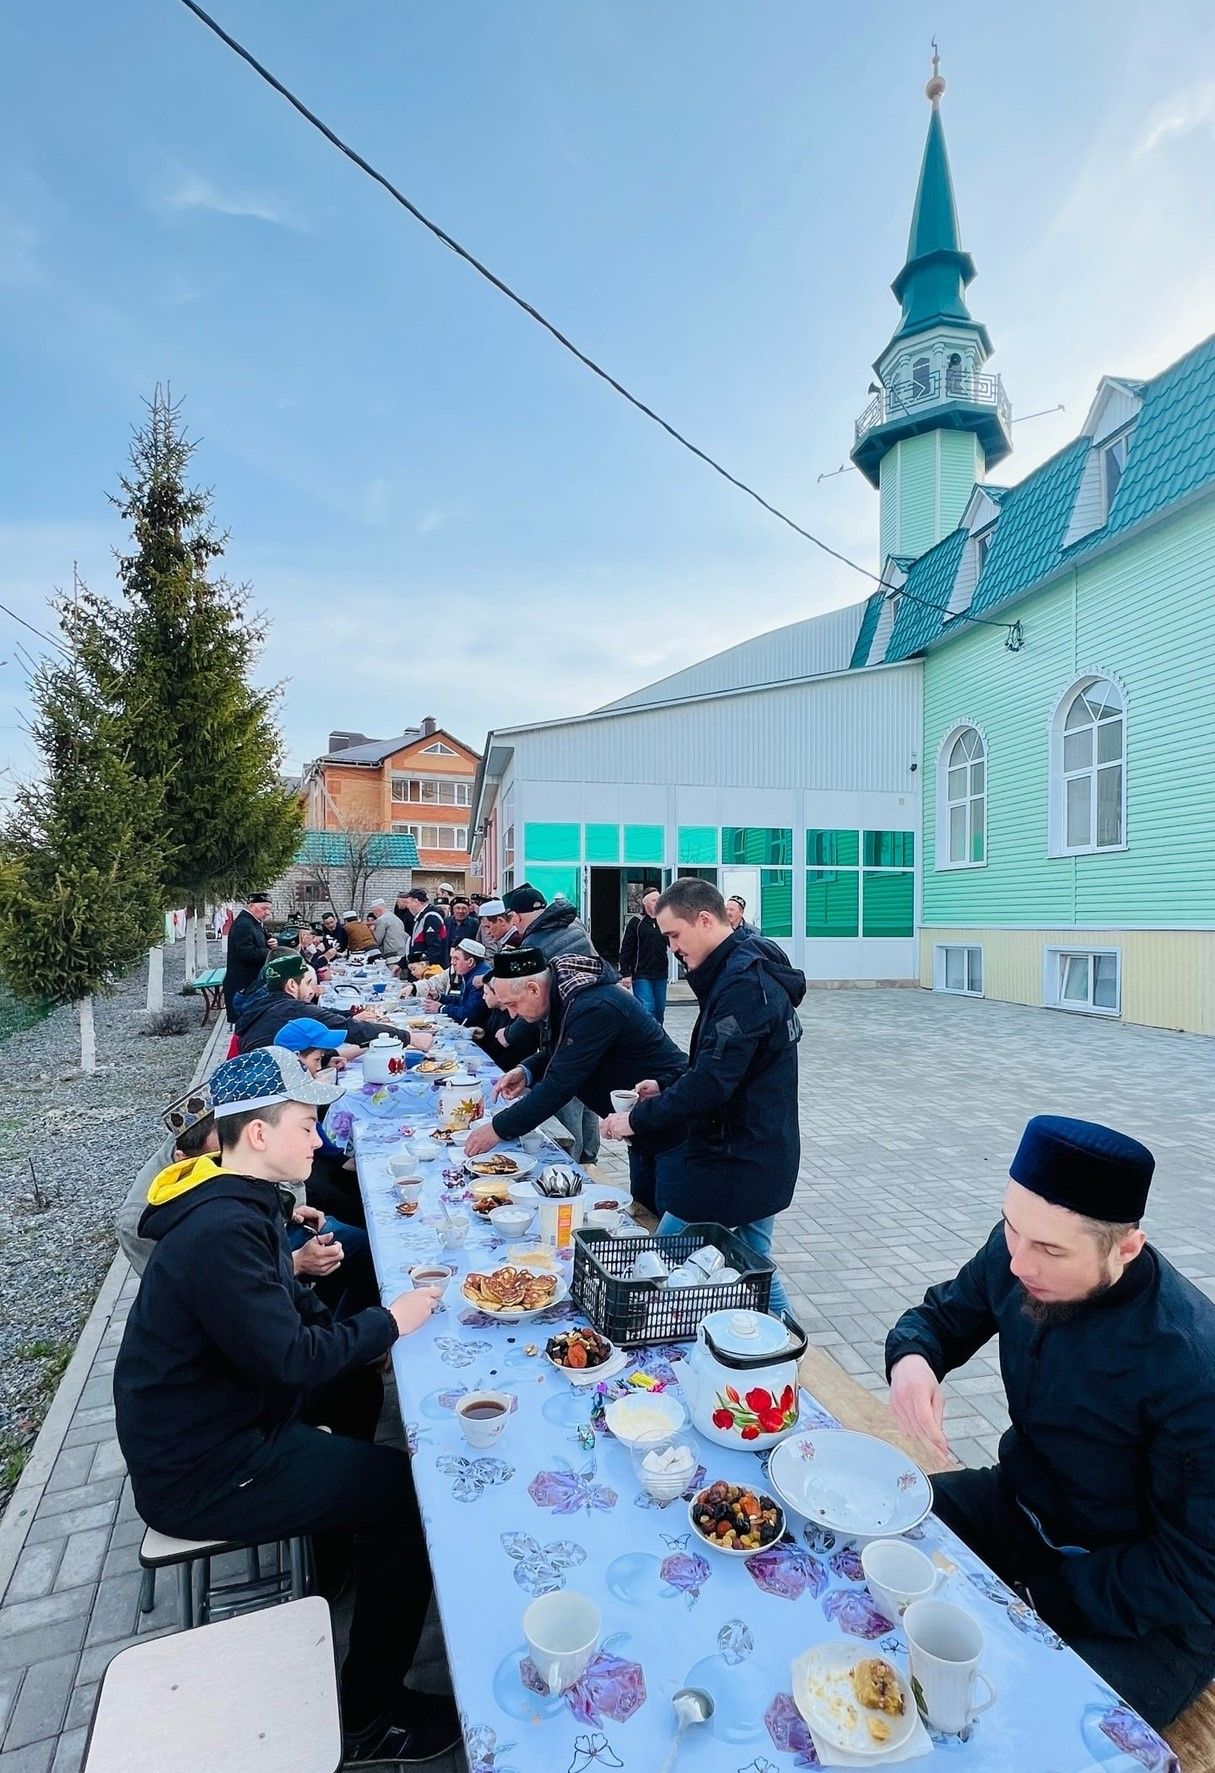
[(492, 908), (476, 949)]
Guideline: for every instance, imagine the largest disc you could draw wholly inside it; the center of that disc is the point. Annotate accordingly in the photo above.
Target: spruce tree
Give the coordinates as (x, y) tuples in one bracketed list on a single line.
[(80, 859), (172, 660)]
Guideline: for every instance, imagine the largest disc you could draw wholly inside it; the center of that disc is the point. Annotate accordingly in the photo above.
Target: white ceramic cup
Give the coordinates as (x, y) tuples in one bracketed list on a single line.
[(404, 1169), (897, 1575), (562, 1632), (623, 1100), (452, 1230), (408, 1188), (435, 1275), (478, 1430), (945, 1645)]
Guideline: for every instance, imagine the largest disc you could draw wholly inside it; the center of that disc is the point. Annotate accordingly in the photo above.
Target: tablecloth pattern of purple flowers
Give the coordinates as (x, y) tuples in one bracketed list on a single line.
[(555, 1503)]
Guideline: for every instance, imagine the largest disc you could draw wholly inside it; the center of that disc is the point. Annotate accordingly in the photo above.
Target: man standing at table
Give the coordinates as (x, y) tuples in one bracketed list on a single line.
[(1102, 1507), (388, 930), (644, 958), (248, 947)]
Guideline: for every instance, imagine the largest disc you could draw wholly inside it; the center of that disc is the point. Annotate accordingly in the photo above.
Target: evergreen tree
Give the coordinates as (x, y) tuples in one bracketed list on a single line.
[(80, 856), (172, 661)]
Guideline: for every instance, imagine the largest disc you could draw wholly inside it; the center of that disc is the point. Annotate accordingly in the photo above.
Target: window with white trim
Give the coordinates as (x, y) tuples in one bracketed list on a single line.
[(1113, 462), (1088, 769), (958, 969), (962, 800), (439, 749), (431, 790), (1086, 980), (436, 837)]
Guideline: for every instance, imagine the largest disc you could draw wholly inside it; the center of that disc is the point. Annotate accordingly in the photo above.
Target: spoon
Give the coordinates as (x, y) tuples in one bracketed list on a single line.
[(692, 1706)]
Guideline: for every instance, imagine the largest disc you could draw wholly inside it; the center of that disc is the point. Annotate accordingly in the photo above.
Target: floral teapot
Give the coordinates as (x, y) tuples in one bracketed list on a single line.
[(740, 1378), (383, 1060)]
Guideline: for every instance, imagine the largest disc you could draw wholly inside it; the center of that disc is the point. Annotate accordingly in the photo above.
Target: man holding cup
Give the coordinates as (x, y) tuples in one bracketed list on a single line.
[(1101, 1510)]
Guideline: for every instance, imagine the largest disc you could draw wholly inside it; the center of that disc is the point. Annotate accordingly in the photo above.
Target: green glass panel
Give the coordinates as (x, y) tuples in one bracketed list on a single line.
[(552, 843), (644, 844), (757, 844), (832, 902), (697, 845), (833, 849), (603, 843), (890, 849), (889, 904), (551, 881), (776, 902)]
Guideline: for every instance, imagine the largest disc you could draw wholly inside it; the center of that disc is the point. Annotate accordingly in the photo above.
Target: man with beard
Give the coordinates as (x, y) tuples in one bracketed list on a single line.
[(1101, 1511)]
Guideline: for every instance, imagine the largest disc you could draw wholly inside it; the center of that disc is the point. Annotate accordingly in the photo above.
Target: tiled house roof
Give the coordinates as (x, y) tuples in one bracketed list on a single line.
[(385, 849)]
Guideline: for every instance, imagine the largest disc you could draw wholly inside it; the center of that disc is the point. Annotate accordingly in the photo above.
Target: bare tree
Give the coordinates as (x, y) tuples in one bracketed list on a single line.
[(349, 860)]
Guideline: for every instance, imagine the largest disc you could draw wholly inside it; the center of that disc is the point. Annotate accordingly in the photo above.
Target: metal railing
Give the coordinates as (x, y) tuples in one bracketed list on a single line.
[(925, 390)]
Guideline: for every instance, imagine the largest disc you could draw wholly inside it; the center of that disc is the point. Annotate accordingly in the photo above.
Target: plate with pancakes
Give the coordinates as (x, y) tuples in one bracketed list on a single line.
[(514, 1293)]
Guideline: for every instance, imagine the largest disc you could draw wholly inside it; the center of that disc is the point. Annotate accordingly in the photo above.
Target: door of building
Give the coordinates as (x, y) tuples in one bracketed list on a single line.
[(744, 882)]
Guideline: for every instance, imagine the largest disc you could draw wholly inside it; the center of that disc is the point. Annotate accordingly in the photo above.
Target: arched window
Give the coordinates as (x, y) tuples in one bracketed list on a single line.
[(1088, 768), (962, 800), (920, 378)]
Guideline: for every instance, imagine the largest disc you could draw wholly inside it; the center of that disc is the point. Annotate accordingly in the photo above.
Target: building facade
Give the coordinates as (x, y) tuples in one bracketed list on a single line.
[(417, 785)]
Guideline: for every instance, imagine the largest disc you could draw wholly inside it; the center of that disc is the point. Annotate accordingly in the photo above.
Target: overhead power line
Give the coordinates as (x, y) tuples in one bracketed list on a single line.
[(49, 638), (533, 313)]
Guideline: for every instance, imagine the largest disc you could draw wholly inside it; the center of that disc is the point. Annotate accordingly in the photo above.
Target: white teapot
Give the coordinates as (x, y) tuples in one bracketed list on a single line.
[(740, 1378), (383, 1060), (461, 1102)]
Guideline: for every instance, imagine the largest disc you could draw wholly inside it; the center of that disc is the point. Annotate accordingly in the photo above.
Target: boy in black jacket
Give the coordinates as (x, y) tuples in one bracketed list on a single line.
[(225, 1362)]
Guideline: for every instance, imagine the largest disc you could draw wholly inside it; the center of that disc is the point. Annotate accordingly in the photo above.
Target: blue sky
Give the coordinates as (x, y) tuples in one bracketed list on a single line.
[(438, 510)]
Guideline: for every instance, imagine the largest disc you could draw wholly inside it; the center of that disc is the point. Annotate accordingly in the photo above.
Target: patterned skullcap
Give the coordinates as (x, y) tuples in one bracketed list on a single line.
[(262, 1077)]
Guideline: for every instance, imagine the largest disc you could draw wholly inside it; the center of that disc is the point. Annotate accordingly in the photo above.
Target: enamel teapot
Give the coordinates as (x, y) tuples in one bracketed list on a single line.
[(383, 1060), (740, 1378)]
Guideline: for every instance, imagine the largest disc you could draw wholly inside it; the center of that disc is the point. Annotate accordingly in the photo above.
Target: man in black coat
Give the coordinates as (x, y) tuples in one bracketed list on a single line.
[(225, 1363), (597, 1038), (1101, 1510), (738, 1097), (428, 937), (289, 989), (248, 947), (463, 927), (644, 958)]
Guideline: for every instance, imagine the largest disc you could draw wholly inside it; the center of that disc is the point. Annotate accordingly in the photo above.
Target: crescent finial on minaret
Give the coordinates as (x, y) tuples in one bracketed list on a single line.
[(936, 85)]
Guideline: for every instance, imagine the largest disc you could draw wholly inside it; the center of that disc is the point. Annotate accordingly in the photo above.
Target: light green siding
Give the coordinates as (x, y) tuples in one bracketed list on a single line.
[(961, 464), (917, 493), (602, 843), (643, 845), (888, 517), (925, 483), (552, 843), (1143, 612)]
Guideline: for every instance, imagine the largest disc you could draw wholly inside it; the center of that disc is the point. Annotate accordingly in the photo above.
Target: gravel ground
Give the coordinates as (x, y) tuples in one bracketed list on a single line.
[(86, 1138)]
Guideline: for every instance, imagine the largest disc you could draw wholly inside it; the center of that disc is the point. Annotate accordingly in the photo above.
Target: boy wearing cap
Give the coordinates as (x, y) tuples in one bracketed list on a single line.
[(1102, 1507)]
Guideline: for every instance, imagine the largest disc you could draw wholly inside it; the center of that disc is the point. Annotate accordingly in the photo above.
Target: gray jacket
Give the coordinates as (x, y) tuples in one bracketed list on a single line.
[(390, 937), (138, 1249)]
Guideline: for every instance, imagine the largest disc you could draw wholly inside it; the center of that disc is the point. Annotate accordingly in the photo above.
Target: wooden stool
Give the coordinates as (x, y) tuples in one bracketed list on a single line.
[(256, 1694), (289, 1580)]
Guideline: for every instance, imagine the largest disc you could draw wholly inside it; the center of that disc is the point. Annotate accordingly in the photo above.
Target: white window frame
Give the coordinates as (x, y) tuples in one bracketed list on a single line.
[(940, 953), (1052, 980), (438, 749), (941, 860), (412, 791), (1056, 841), (1117, 449)]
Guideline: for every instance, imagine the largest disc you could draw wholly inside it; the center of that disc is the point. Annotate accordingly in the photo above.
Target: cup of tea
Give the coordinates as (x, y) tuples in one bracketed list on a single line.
[(897, 1575), (562, 1632), (945, 1646), (453, 1229), (623, 1100), (408, 1189), (482, 1416), (434, 1275), (405, 1167)]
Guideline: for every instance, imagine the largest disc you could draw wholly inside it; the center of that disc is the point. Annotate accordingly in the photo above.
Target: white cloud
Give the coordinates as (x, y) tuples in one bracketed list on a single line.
[(430, 521), (191, 191), (1191, 109)]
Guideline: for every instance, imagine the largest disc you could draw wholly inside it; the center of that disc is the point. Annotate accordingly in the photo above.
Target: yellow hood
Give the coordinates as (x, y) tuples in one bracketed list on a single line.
[(179, 1178)]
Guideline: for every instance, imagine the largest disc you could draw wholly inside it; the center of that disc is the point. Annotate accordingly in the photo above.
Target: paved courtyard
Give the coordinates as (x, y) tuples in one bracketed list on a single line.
[(910, 1107)]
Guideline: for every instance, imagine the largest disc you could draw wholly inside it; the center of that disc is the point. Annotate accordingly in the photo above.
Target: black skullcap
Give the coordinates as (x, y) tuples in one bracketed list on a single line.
[(1085, 1167)]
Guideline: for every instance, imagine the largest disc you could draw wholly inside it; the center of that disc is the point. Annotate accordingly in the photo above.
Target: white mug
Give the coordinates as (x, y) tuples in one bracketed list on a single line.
[(897, 1575), (945, 1645), (623, 1101), (483, 1430), (562, 1632)]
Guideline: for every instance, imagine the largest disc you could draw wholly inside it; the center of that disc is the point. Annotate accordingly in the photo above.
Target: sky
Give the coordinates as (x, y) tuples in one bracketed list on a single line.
[(437, 510)]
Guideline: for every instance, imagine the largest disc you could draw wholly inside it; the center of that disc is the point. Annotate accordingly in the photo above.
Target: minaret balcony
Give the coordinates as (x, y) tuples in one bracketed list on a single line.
[(956, 400)]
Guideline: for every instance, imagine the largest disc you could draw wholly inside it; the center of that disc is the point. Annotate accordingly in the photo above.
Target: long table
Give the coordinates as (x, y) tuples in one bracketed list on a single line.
[(555, 1504)]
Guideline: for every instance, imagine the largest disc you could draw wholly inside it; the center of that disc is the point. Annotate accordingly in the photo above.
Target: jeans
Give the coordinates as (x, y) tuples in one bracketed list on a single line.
[(583, 1123), (352, 1285), (758, 1234), (652, 1169), (651, 994), (1157, 1674)]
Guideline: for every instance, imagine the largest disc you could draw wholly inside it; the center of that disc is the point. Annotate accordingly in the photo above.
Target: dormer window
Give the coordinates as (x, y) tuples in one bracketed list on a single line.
[(982, 549), (1113, 461)]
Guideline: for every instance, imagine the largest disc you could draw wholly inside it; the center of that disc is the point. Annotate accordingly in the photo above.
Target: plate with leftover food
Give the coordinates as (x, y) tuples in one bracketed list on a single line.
[(856, 1702)]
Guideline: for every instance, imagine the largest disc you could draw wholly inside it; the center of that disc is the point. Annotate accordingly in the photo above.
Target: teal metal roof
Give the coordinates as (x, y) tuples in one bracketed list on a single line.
[(334, 849), (1028, 536), (925, 598), (869, 622), (932, 284)]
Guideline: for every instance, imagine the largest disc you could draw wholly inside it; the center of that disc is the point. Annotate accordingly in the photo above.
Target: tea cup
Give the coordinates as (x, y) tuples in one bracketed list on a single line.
[(897, 1575), (405, 1167), (623, 1100), (453, 1229), (433, 1275), (482, 1416), (409, 1189), (945, 1645), (562, 1632)]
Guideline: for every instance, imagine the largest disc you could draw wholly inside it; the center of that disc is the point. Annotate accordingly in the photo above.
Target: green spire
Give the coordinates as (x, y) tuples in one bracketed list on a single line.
[(932, 284)]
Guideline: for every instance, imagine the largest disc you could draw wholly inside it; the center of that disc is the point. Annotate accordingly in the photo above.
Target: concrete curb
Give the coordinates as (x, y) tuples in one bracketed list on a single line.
[(31, 1485)]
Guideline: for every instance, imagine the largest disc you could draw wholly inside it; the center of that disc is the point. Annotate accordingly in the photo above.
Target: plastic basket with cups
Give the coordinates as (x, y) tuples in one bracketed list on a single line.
[(657, 1289)]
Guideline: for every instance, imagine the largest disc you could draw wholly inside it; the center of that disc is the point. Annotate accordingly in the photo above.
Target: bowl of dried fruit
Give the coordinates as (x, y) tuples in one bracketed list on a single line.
[(579, 1351), (735, 1520)]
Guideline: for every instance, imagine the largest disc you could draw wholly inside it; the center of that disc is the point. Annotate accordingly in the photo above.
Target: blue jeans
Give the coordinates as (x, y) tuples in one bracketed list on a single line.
[(354, 1241), (758, 1234), (651, 994)]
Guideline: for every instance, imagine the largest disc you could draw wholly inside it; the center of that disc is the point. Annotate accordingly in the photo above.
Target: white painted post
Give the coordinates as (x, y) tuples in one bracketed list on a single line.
[(88, 1036), (156, 979), (191, 964), (200, 941)]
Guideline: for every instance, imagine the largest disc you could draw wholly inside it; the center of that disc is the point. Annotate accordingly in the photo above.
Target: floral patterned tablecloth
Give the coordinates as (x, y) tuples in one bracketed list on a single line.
[(556, 1504)]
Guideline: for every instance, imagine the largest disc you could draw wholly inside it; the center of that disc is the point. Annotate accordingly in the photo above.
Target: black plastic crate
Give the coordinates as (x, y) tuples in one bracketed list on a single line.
[(631, 1313)]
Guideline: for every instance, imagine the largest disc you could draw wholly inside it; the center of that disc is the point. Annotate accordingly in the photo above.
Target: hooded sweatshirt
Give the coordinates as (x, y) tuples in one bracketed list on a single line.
[(222, 1344)]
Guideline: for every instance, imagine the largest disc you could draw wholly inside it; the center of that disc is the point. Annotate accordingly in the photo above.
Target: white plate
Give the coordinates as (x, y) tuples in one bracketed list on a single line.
[(644, 1412), (850, 1483), (523, 1167), (515, 1314), (823, 1693)]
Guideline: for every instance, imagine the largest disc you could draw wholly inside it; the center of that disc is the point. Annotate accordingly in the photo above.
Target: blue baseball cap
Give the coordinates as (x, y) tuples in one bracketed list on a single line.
[(305, 1032)]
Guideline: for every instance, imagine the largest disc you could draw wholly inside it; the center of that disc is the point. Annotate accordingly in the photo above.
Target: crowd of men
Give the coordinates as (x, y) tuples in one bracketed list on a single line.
[(258, 1322)]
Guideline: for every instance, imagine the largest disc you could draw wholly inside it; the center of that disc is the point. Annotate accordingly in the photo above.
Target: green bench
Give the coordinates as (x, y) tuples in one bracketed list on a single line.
[(211, 985)]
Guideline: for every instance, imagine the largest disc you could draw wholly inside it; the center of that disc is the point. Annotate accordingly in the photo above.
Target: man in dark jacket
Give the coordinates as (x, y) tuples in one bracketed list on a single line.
[(553, 929), (597, 1038), (428, 938), (738, 1097), (289, 989), (464, 927), (466, 1003), (1101, 1510), (225, 1360), (248, 947), (644, 958)]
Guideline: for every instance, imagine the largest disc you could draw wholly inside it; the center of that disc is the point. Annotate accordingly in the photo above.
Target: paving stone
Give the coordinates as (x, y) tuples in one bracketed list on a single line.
[(22, 1649), (43, 1700), (71, 1470), (35, 1759), (80, 1706), (35, 1573), (115, 1610), (9, 1685), (69, 1756), (108, 1462), (83, 1558), (105, 1490), (24, 1616)]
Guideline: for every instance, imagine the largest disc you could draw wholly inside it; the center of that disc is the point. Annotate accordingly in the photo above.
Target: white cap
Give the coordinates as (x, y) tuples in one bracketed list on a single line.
[(491, 908), (476, 949)]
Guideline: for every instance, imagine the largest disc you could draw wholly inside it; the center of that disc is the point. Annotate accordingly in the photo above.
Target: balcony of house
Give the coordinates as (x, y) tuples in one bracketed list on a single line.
[(956, 399)]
